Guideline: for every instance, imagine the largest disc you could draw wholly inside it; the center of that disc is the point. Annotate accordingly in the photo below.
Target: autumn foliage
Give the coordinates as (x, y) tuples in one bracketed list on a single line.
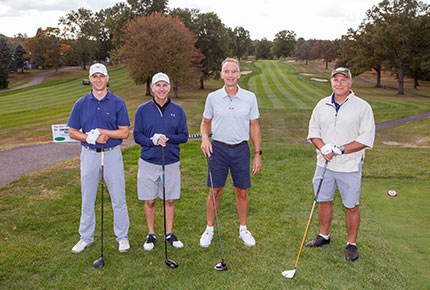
[(160, 43)]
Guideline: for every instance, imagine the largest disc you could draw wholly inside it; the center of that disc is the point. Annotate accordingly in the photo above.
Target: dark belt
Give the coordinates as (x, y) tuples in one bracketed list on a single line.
[(98, 150), (231, 146)]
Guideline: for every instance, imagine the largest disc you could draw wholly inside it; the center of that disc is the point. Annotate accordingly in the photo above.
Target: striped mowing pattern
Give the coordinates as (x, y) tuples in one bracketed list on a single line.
[(279, 85), (45, 104)]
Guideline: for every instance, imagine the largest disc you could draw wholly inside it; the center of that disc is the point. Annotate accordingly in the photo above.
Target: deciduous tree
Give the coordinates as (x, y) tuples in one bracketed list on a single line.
[(327, 50), (306, 51), (240, 42), (398, 28), (80, 27), (47, 49), (263, 49), (284, 44), (159, 43), (213, 41), (147, 7)]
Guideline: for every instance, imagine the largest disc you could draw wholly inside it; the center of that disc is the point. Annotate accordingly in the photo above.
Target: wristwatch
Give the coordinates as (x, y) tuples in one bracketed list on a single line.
[(342, 149), (258, 152)]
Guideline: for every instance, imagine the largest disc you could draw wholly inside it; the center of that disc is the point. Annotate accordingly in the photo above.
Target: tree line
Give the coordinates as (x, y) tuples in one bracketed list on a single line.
[(189, 46)]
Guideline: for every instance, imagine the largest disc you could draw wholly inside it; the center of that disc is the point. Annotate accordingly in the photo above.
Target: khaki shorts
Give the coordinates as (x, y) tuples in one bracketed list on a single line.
[(150, 181)]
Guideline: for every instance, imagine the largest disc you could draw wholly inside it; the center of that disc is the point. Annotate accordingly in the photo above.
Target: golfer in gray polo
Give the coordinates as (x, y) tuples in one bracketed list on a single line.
[(231, 114)]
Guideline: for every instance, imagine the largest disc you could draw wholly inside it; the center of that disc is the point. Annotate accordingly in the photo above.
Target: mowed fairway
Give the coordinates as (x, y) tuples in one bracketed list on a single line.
[(39, 213)]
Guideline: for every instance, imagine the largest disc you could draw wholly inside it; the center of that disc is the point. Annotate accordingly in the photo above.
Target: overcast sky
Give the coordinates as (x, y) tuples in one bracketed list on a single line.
[(318, 19)]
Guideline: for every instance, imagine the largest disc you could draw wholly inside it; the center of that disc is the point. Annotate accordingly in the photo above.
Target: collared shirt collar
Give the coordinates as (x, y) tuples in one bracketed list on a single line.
[(162, 108), (237, 93), (337, 105), (107, 97), (347, 97)]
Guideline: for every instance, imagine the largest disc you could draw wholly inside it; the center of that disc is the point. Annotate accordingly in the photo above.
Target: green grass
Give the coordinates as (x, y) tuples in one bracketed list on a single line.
[(39, 212), (45, 208)]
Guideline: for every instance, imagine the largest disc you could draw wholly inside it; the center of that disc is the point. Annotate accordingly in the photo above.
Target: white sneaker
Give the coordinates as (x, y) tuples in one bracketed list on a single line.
[(124, 246), (247, 238), (206, 239), (80, 246)]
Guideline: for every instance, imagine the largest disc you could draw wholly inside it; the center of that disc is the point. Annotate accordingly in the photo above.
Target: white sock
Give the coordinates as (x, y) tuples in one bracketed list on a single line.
[(210, 229), (326, 237), (354, 244), (242, 228)]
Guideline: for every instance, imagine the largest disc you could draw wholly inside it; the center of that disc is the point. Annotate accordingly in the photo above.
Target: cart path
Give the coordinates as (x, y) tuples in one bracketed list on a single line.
[(38, 79), (23, 160)]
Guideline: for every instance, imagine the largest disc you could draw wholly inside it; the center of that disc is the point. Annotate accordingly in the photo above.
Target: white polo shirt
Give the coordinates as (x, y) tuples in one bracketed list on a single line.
[(353, 122), (231, 116)]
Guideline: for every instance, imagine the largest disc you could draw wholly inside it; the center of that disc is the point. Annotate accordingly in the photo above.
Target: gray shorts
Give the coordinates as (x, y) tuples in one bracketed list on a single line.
[(348, 183), (150, 181)]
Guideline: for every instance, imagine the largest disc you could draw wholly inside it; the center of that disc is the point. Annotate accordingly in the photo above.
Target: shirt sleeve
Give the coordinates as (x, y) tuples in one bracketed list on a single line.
[(314, 130), (123, 119), (75, 119), (208, 112), (138, 130), (182, 136), (367, 127), (254, 114)]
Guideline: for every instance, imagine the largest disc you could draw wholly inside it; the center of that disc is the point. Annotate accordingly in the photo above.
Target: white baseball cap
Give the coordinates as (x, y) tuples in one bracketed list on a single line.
[(98, 68), (160, 77)]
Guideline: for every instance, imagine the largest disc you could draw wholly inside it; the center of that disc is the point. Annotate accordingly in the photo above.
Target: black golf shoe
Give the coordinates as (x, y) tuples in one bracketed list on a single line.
[(173, 240), (351, 253), (319, 241)]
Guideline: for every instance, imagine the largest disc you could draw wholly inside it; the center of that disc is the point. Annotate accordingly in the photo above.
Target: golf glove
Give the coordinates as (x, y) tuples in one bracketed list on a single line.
[(326, 149), (337, 149), (92, 136), (156, 137)]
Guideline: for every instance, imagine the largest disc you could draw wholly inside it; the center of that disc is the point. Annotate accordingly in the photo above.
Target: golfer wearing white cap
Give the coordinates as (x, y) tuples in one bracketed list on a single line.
[(159, 123), (100, 120)]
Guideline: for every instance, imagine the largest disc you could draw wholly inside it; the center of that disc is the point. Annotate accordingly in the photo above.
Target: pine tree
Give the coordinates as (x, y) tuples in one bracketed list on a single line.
[(3, 77)]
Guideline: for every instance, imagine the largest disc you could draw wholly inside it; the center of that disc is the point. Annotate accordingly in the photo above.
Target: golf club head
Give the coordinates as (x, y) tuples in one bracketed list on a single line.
[(221, 266), (289, 274), (99, 263), (172, 264)]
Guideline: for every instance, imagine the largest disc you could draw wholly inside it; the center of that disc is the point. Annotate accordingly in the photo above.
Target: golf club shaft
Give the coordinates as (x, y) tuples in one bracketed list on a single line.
[(215, 209), (102, 167), (310, 216), (164, 199)]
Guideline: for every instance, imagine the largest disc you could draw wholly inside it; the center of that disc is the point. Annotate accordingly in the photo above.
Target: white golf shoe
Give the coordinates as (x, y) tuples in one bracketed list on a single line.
[(206, 239), (124, 246), (80, 246), (173, 240), (149, 243), (247, 238)]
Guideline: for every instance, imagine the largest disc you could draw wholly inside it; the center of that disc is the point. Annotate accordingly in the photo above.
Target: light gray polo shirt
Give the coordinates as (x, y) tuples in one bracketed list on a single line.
[(231, 116)]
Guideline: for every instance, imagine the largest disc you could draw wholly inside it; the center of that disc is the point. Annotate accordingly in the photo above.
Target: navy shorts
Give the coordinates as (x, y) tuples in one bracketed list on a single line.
[(236, 159)]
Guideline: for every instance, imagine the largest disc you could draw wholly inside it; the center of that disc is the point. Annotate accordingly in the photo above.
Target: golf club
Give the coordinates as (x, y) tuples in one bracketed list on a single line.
[(170, 263), (221, 266), (290, 273), (99, 263)]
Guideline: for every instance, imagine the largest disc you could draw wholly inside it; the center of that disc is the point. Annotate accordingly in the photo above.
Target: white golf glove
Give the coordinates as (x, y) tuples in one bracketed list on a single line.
[(92, 136), (156, 137), (337, 149), (326, 149)]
